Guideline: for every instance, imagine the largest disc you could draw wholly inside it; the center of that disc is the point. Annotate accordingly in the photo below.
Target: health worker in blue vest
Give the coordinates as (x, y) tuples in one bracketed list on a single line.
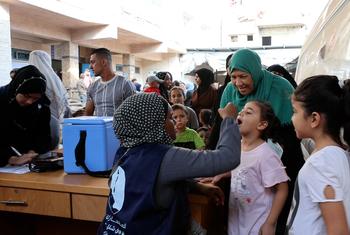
[(150, 181)]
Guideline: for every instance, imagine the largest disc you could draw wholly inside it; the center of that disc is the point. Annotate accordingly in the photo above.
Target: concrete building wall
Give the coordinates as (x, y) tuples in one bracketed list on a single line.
[(29, 45), (280, 36), (5, 44), (84, 52), (68, 34), (284, 35), (139, 76)]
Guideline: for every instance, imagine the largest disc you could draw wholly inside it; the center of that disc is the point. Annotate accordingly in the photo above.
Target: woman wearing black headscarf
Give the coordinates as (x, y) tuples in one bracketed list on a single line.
[(205, 97), (281, 71), (166, 85), (149, 181), (25, 122)]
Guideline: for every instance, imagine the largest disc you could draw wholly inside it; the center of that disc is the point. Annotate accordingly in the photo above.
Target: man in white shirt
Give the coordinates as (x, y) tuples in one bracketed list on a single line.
[(110, 90)]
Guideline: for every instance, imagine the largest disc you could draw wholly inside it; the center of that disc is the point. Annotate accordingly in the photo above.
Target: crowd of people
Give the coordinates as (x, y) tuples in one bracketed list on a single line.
[(239, 144)]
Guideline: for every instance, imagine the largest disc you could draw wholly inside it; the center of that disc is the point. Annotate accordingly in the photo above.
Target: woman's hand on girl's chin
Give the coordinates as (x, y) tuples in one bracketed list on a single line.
[(212, 180), (229, 111), (213, 192), (206, 180)]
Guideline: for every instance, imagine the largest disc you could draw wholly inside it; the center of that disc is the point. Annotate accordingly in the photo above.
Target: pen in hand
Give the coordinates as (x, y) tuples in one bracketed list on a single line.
[(21, 159), (16, 151)]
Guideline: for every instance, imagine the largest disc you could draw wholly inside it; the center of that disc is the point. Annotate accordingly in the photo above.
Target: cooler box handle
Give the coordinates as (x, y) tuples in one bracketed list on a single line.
[(80, 157)]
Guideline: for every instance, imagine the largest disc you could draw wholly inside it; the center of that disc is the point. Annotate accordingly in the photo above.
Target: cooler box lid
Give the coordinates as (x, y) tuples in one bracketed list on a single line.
[(88, 120)]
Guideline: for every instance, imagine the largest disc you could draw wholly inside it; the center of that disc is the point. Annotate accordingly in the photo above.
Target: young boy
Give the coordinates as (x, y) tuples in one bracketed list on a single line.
[(177, 96), (153, 84), (185, 137)]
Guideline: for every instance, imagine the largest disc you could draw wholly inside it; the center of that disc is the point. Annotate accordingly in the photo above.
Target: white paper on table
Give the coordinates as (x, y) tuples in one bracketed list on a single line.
[(15, 169)]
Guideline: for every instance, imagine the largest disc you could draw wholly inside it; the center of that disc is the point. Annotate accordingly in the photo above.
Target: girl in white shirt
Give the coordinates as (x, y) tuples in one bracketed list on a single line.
[(321, 202), (259, 184)]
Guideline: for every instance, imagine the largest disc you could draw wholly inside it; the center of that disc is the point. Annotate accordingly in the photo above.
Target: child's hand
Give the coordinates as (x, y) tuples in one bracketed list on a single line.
[(206, 180), (217, 179), (214, 192), (267, 229), (229, 111), (213, 180)]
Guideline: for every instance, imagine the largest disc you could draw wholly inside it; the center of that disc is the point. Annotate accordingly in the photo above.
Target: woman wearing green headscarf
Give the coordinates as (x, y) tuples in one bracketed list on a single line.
[(250, 81)]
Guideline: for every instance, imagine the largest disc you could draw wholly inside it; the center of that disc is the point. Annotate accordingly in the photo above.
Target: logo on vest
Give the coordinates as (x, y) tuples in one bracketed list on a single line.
[(118, 189)]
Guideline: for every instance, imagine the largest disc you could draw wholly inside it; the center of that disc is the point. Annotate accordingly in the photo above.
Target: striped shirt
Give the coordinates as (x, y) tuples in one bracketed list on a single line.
[(107, 96)]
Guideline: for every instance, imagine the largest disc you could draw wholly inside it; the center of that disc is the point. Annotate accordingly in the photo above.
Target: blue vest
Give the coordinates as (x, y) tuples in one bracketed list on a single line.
[(131, 207)]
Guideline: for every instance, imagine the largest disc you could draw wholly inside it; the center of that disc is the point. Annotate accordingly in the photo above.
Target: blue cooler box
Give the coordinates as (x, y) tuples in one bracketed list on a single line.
[(100, 146)]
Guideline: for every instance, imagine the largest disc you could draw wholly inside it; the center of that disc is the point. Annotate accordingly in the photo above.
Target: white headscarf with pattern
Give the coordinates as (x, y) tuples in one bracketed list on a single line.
[(141, 119)]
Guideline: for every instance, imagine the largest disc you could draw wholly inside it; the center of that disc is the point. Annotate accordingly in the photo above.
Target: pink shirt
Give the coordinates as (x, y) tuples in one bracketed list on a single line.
[(251, 195)]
